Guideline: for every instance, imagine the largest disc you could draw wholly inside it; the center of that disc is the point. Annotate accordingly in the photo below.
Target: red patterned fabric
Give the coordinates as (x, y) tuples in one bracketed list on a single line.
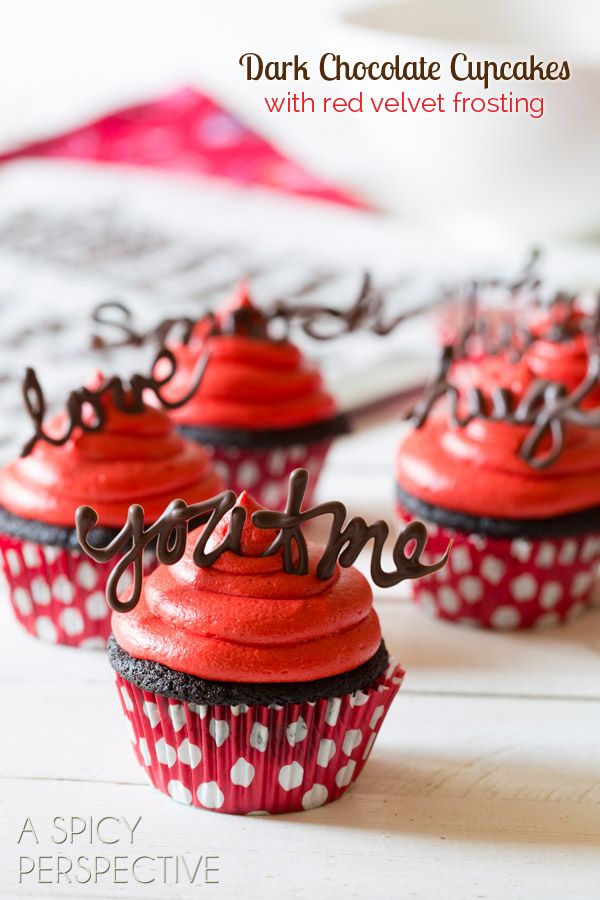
[(507, 584), (258, 759), (186, 132)]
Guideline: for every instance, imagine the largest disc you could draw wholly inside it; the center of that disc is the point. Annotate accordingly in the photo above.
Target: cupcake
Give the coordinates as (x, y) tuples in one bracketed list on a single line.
[(559, 348), (261, 408), (123, 451), (507, 467), (251, 667)]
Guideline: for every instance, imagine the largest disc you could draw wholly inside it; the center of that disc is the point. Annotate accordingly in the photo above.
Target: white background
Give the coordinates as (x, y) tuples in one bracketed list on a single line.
[(479, 177)]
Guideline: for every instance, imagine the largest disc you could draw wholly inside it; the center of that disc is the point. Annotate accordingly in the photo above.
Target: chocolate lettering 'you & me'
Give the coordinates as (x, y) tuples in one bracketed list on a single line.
[(168, 535)]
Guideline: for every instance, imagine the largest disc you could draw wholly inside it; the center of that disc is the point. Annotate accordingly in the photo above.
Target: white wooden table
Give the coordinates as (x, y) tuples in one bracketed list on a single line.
[(484, 782)]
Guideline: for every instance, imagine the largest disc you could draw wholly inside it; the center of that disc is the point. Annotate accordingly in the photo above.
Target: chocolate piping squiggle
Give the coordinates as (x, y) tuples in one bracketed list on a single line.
[(171, 529), (128, 398), (546, 405)]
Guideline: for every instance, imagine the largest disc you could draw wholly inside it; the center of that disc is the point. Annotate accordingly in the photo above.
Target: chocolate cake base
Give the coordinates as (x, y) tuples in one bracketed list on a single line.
[(580, 522), (52, 535), (61, 535), (263, 439), (159, 679)]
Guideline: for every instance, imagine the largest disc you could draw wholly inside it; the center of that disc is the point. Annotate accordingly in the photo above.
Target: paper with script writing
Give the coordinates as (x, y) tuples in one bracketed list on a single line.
[(72, 236)]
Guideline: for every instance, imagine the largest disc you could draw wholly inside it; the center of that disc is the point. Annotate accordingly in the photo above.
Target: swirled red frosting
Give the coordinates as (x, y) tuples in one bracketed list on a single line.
[(560, 351), (245, 619), (252, 382), (477, 470), (134, 458), (565, 361)]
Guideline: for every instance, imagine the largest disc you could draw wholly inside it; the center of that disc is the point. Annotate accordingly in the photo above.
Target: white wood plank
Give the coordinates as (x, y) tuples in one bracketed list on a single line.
[(461, 798), (438, 657), (445, 658)]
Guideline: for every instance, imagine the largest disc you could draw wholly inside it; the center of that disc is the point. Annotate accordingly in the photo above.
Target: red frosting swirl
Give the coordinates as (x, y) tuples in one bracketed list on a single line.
[(134, 458), (477, 470), (245, 619), (564, 359), (252, 382)]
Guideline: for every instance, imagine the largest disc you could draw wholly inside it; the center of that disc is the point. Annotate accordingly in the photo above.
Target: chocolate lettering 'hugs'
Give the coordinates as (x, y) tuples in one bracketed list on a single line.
[(547, 406), (170, 532), (128, 398)]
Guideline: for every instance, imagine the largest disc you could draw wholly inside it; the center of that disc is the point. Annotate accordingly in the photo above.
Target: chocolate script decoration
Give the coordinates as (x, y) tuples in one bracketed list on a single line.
[(482, 333), (128, 398), (568, 320), (547, 406), (322, 323), (122, 321), (171, 529), (343, 544), (251, 322), (511, 327), (115, 314)]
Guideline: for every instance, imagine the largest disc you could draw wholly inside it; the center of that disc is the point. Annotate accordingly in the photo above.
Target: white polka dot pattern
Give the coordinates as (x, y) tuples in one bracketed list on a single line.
[(177, 713), (63, 589), (290, 776), (179, 792), (265, 472), (266, 759), (219, 731), (296, 732), (242, 773), (523, 587), (210, 795), (189, 754), (315, 797), (259, 737), (344, 775), (326, 752), (165, 753), (507, 584), (505, 617), (333, 710), (352, 740)]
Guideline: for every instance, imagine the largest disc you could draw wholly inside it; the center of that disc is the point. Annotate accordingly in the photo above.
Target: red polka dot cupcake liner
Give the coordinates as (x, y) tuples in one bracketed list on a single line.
[(265, 471), (507, 583), (256, 759), (58, 595)]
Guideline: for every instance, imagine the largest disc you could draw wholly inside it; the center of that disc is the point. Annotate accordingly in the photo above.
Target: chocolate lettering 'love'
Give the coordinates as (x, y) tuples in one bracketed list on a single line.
[(128, 398), (170, 531)]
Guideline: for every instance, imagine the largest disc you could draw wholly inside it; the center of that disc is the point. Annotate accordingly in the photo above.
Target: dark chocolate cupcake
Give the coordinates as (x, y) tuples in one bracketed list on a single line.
[(252, 668), (261, 408), (507, 467), (133, 454)]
